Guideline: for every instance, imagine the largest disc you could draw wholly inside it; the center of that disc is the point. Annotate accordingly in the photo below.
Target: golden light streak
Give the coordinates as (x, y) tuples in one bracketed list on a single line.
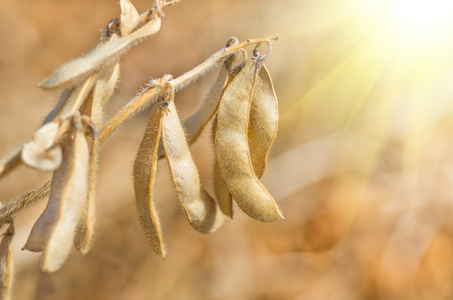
[(408, 25)]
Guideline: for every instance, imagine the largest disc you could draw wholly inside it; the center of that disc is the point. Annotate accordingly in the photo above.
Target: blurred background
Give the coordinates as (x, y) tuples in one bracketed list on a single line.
[(362, 166)]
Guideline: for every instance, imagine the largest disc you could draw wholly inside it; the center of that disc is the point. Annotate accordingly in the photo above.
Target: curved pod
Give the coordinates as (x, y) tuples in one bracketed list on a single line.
[(263, 120), (145, 167), (54, 230), (232, 149), (201, 210)]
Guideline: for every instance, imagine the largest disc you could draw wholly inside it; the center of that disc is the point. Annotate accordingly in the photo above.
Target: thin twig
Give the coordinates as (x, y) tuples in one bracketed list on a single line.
[(24, 200)]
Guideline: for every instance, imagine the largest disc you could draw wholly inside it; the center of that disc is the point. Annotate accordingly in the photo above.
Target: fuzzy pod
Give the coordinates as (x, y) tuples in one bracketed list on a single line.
[(85, 227), (129, 17), (55, 229), (263, 121), (232, 149), (201, 210), (102, 92), (145, 167)]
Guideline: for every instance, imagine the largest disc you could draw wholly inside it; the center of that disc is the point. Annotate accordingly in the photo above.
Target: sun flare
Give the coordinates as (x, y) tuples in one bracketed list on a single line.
[(416, 24)]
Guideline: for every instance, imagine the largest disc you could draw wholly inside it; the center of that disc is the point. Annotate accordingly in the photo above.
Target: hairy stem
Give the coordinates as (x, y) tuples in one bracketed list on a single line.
[(24, 200)]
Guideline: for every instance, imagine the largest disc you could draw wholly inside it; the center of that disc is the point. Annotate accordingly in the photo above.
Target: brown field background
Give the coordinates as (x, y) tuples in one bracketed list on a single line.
[(362, 165)]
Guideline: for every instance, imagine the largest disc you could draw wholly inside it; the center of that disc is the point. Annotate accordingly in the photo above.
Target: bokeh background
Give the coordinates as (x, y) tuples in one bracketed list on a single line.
[(362, 166)]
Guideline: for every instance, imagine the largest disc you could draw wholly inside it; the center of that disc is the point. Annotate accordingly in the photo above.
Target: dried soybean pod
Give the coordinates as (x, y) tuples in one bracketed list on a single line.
[(222, 193), (6, 263), (263, 121), (232, 150), (129, 17), (54, 230), (77, 70), (36, 153), (102, 92), (145, 167), (201, 210), (85, 227)]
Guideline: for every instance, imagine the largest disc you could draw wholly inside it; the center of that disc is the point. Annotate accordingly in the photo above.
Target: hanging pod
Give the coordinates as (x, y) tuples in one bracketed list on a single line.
[(54, 230), (263, 120), (129, 17), (94, 108), (232, 147), (85, 227), (145, 167), (201, 210)]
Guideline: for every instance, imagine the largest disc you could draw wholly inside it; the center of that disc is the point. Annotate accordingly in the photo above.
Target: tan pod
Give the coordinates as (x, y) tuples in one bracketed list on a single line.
[(263, 121), (232, 149), (201, 210), (145, 167), (55, 229)]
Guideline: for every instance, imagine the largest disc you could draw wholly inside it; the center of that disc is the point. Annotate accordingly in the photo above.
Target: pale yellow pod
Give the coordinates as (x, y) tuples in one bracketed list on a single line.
[(222, 193), (102, 92), (232, 149), (54, 230), (201, 210), (263, 121), (36, 153), (261, 134), (129, 17), (77, 70), (145, 168), (85, 228), (6, 263)]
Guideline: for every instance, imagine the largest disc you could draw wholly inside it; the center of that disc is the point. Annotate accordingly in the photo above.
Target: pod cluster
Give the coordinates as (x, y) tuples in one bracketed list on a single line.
[(241, 103), (244, 107)]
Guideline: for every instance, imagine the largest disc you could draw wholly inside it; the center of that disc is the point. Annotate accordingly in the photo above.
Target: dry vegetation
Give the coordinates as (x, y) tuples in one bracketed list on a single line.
[(361, 167)]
